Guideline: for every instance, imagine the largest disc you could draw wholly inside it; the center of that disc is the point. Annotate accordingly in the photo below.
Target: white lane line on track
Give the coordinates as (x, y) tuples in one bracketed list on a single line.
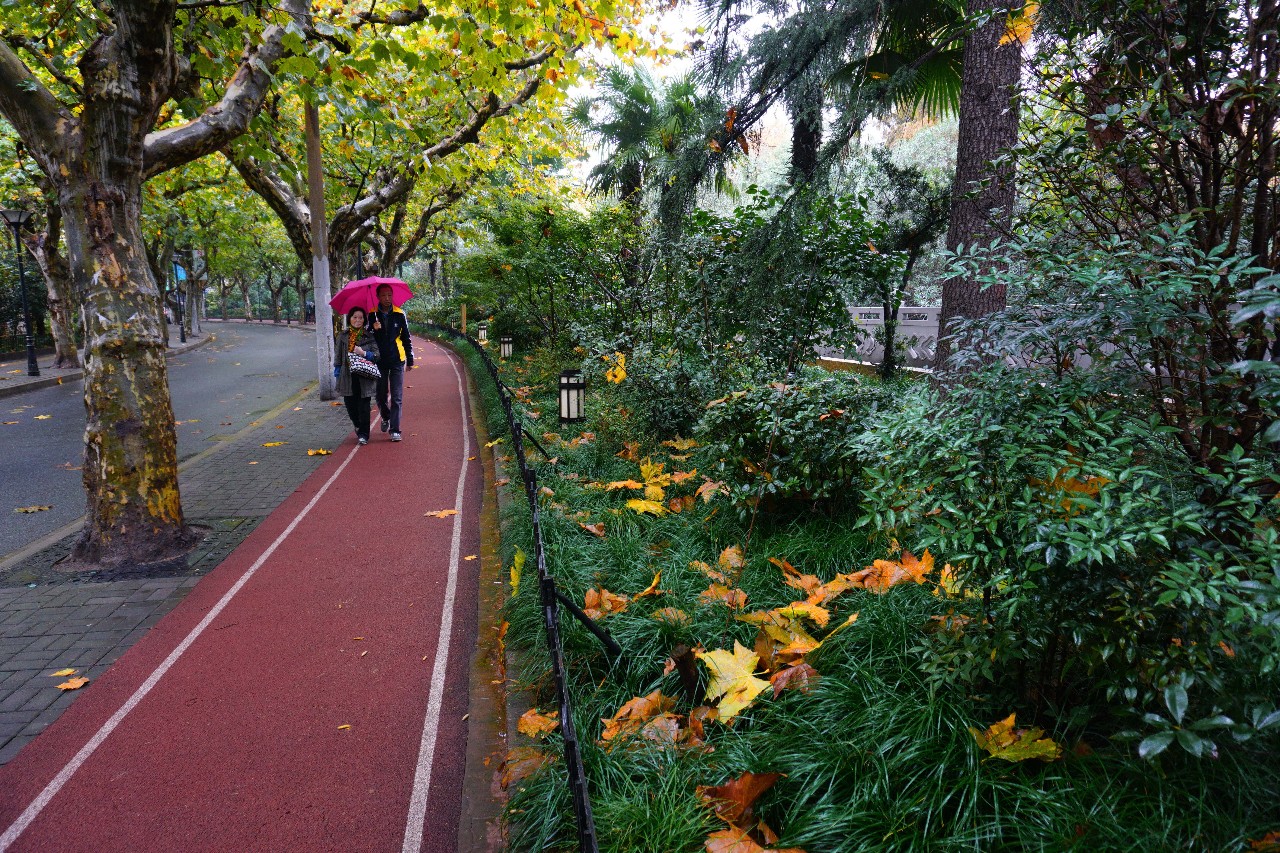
[(431, 724), (38, 804)]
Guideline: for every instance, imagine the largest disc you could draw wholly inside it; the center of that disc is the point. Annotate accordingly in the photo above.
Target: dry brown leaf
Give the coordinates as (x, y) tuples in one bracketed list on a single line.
[(800, 677), (717, 576), (734, 801), (731, 560), (678, 477), (29, 509), (671, 615), (522, 762), (630, 451), (441, 513), (596, 529)]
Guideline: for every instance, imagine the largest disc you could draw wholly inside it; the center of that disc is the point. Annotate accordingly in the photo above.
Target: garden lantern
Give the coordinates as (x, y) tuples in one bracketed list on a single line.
[(505, 345), (16, 219), (482, 332), (573, 396)]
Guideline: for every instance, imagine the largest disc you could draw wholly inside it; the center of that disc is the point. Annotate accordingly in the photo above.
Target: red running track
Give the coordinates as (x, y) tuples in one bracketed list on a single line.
[(226, 727)]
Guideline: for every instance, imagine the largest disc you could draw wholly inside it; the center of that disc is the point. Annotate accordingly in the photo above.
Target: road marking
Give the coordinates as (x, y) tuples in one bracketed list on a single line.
[(431, 724), (38, 804)]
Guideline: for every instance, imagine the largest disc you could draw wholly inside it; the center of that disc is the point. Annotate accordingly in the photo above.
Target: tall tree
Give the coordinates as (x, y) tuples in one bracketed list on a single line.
[(983, 191), (90, 89)]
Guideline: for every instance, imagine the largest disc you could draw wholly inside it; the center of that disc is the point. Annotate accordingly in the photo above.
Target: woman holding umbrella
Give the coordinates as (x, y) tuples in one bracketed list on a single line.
[(356, 390), (382, 297)]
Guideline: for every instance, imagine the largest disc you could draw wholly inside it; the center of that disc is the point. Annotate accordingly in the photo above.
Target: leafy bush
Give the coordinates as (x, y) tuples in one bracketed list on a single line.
[(1094, 569), (796, 441)]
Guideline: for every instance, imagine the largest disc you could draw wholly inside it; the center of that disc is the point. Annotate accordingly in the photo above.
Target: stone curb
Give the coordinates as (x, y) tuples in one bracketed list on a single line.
[(78, 373)]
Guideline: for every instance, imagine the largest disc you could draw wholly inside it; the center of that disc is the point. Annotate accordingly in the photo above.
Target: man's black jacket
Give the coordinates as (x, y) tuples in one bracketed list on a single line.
[(394, 344)]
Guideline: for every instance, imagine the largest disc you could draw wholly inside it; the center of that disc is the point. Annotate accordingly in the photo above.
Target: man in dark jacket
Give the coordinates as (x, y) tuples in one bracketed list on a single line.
[(391, 330)]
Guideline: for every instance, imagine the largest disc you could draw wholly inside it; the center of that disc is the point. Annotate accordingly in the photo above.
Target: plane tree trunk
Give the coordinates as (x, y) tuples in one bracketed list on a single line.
[(96, 159)]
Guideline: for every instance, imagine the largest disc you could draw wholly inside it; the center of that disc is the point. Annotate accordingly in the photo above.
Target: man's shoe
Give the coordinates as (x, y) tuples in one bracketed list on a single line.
[(386, 425), (395, 436), (362, 440)]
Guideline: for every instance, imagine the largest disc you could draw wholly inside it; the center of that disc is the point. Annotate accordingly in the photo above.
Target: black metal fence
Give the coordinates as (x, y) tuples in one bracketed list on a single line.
[(551, 599)]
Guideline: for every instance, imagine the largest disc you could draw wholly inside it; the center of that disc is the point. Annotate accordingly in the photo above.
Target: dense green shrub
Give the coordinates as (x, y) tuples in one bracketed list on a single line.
[(796, 441), (1102, 573)]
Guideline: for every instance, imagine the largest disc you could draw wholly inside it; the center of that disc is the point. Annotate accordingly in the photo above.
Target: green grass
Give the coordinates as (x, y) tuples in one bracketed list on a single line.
[(875, 759)]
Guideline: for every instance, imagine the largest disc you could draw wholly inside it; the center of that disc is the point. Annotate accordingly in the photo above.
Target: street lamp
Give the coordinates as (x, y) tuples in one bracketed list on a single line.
[(16, 219), (573, 395), (482, 332), (505, 345)]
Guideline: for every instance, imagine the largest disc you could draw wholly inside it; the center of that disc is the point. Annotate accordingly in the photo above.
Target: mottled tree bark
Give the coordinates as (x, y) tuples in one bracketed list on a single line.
[(96, 159), (983, 193), (62, 299)]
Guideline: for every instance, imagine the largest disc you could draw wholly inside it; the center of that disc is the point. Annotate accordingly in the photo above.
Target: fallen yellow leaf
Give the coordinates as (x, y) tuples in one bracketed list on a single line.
[(43, 417), (732, 679), (642, 506), (443, 513), (32, 508), (63, 673), (274, 443), (73, 683), (1002, 740), (496, 441), (469, 557), (319, 452), (344, 726)]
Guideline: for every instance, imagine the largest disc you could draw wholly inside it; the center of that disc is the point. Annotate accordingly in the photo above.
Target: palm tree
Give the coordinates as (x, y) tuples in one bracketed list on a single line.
[(654, 136)]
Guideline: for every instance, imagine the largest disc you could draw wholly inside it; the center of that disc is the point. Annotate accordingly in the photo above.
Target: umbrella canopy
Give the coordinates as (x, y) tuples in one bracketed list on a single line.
[(363, 293)]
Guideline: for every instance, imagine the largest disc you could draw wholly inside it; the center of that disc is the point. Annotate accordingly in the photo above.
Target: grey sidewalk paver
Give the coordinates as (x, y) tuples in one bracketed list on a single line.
[(50, 620)]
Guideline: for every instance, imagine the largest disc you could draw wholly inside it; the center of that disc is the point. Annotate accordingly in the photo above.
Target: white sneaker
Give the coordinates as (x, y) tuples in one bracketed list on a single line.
[(362, 440), (395, 436)]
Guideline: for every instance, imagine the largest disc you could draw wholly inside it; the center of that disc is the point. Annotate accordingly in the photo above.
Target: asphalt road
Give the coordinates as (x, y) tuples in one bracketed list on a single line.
[(217, 389)]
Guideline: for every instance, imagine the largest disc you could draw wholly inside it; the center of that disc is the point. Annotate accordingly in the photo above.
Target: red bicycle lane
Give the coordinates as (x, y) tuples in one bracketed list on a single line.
[(299, 698)]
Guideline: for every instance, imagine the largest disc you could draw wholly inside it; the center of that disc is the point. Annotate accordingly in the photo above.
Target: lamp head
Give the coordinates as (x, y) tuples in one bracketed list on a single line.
[(15, 218)]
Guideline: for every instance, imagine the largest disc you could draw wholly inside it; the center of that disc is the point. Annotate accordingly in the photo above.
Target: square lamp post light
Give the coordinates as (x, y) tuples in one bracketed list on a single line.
[(482, 332), (573, 397), (505, 345), (15, 219)]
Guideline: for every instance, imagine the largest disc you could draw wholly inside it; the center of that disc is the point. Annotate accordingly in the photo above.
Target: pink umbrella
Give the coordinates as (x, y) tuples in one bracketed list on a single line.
[(364, 294)]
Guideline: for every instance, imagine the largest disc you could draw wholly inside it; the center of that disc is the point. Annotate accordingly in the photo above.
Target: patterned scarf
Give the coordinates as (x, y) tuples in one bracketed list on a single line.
[(351, 339)]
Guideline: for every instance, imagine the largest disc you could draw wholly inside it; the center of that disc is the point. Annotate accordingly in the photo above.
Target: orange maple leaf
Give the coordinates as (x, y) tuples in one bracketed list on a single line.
[(735, 598), (600, 603), (537, 725), (597, 529), (633, 715)]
